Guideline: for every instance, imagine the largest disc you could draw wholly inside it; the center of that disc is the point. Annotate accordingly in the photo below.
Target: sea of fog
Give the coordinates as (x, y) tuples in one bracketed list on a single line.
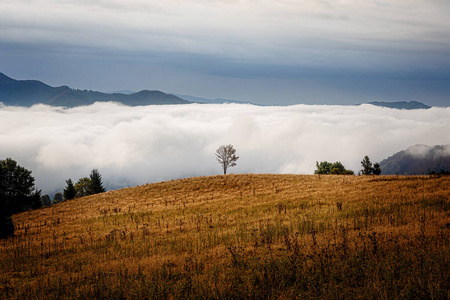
[(137, 145)]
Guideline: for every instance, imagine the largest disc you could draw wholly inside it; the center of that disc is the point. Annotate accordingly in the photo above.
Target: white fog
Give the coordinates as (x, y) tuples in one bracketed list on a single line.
[(138, 145)]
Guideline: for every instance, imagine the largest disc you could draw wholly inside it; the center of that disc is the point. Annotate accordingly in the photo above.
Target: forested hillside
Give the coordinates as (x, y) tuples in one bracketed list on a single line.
[(418, 159), (29, 92)]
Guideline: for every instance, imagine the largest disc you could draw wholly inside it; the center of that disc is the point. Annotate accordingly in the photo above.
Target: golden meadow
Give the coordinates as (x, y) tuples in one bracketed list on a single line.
[(238, 236)]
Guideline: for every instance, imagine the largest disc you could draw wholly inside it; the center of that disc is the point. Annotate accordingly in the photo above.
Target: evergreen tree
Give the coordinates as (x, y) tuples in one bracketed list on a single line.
[(69, 192), (376, 169), (35, 199), (367, 166), (96, 182)]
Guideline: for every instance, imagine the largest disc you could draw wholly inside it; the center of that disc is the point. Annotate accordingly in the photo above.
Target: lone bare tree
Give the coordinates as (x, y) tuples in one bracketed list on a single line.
[(226, 157)]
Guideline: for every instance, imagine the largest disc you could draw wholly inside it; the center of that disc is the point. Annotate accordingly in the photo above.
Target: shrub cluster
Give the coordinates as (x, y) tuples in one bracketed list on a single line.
[(336, 168)]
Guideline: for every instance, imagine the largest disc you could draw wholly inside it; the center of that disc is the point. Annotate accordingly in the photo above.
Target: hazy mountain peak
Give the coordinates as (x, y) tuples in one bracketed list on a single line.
[(417, 159), (401, 104), (418, 150)]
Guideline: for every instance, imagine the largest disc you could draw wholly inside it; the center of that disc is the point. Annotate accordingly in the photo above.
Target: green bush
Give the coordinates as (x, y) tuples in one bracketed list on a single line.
[(336, 168)]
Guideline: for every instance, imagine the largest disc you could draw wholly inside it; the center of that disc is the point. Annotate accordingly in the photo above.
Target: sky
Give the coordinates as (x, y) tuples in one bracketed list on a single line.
[(267, 52), (136, 145)]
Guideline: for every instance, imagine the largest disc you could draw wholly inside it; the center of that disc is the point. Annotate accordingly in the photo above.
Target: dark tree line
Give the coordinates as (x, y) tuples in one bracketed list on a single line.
[(85, 186), (368, 168), (337, 168), (441, 172), (17, 193)]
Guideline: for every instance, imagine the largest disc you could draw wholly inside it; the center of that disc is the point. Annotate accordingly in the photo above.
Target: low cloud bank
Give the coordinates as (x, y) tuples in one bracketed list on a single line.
[(137, 145)]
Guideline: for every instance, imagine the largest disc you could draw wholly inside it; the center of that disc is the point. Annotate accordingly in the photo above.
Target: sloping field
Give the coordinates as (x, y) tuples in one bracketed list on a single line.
[(238, 236)]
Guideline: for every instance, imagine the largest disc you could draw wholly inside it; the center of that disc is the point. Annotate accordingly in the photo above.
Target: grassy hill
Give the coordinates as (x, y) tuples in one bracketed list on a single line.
[(238, 236)]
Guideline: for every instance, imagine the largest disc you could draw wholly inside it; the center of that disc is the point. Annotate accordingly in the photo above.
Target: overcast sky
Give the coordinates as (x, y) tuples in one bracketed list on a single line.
[(267, 52)]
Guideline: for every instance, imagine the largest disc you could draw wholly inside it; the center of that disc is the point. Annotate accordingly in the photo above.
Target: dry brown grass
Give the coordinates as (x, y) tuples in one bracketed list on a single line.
[(238, 236)]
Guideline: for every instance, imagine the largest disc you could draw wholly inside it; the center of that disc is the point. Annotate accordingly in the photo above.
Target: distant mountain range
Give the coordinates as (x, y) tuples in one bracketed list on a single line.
[(417, 159), (29, 92), (211, 101), (401, 104)]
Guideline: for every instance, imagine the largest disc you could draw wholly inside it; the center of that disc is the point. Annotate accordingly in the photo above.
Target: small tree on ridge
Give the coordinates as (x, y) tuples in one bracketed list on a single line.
[(83, 187), (376, 169), (367, 166), (226, 156), (69, 192), (96, 182)]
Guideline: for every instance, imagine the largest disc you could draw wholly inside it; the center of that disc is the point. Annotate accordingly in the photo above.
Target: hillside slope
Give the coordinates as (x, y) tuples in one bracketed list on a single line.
[(238, 236), (417, 159), (29, 92)]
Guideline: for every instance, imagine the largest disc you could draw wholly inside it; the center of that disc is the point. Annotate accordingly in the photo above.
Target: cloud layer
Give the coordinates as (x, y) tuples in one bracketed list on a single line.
[(305, 32), (136, 145)]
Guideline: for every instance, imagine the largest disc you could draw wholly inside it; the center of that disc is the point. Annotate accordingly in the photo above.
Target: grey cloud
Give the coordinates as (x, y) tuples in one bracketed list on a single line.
[(422, 151), (136, 145), (279, 31)]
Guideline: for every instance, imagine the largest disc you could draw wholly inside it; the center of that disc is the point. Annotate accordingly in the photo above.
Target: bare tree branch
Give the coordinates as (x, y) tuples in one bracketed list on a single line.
[(226, 156)]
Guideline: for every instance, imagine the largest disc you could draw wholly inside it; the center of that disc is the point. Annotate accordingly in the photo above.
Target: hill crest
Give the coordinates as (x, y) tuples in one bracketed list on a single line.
[(236, 236)]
